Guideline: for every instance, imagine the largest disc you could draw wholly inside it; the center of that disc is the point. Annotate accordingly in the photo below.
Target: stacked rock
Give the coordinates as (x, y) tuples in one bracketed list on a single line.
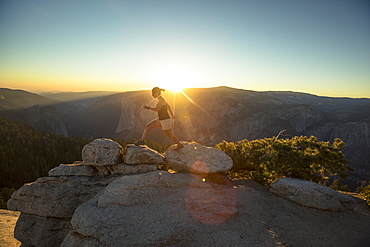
[(122, 177), (48, 204), (198, 159), (159, 208)]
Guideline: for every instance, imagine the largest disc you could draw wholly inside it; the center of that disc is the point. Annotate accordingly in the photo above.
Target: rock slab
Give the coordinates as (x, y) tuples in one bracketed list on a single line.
[(196, 158), (80, 169), (76, 169), (56, 197), (102, 152), (312, 195), (142, 154), (33, 230), (153, 209)]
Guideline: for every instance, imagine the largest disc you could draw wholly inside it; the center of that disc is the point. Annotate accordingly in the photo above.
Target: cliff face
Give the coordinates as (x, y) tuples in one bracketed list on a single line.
[(209, 116), (215, 114), (45, 118)]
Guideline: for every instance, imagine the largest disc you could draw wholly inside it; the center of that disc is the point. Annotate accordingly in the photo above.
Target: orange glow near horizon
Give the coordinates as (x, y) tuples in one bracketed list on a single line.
[(180, 78), (48, 83)]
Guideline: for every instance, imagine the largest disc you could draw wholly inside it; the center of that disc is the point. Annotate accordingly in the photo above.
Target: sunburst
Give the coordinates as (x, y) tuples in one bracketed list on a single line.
[(175, 77)]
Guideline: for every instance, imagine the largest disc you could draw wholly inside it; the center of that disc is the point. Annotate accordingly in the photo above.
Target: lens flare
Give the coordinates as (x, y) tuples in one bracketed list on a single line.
[(214, 202)]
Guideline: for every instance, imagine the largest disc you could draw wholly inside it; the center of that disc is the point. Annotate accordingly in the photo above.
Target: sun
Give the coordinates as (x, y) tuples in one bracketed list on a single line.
[(175, 77)]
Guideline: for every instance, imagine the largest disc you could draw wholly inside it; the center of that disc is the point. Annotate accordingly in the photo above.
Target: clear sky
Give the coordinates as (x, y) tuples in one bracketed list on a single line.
[(314, 46)]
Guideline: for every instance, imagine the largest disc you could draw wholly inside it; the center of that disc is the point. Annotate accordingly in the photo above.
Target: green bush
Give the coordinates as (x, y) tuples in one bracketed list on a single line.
[(269, 159), (366, 193), (335, 185)]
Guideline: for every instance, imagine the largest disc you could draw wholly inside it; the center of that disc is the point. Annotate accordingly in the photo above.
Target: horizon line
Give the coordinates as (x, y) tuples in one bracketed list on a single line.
[(193, 88)]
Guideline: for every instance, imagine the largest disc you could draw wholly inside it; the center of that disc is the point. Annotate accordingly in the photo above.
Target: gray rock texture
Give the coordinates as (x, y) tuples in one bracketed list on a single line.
[(175, 209), (137, 205), (79, 169), (135, 155), (48, 204), (196, 158), (102, 152), (33, 230), (157, 209), (56, 196), (124, 169), (312, 195)]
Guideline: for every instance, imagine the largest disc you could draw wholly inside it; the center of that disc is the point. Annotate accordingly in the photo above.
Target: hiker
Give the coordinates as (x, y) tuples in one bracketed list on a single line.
[(164, 119)]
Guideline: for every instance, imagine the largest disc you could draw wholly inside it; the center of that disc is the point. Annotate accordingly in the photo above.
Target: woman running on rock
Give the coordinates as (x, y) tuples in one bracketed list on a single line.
[(164, 119)]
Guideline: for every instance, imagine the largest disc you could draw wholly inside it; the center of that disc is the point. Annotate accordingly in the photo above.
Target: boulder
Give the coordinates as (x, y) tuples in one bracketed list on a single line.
[(196, 158), (56, 196), (142, 154), (153, 209), (144, 188), (47, 206), (312, 195), (182, 209), (33, 230), (102, 152)]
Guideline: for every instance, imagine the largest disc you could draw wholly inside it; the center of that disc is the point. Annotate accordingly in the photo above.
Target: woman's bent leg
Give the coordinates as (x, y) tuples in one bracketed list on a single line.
[(170, 134), (151, 125)]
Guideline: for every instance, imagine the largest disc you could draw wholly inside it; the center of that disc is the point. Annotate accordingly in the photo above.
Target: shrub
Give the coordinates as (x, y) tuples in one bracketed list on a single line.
[(335, 185), (344, 187), (269, 159), (366, 193)]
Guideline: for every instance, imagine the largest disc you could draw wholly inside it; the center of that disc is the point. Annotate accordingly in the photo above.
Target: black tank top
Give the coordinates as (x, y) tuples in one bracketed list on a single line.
[(162, 113)]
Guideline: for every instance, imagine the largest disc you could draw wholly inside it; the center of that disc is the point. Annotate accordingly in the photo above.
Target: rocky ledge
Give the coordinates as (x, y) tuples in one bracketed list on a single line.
[(118, 197)]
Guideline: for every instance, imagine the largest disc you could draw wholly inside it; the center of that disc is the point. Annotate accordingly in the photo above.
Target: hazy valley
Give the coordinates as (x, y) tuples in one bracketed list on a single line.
[(207, 115)]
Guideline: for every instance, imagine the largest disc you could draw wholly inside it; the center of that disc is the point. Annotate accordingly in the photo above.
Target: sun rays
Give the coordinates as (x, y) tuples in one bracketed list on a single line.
[(175, 77)]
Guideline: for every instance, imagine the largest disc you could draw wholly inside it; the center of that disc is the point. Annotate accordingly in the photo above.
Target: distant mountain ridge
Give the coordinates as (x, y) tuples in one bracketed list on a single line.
[(16, 99), (210, 115), (82, 98), (48, 112)]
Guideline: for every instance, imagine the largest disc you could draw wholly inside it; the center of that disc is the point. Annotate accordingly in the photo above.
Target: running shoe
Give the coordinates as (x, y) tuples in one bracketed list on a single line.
[(139, 142), (179, 146)]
